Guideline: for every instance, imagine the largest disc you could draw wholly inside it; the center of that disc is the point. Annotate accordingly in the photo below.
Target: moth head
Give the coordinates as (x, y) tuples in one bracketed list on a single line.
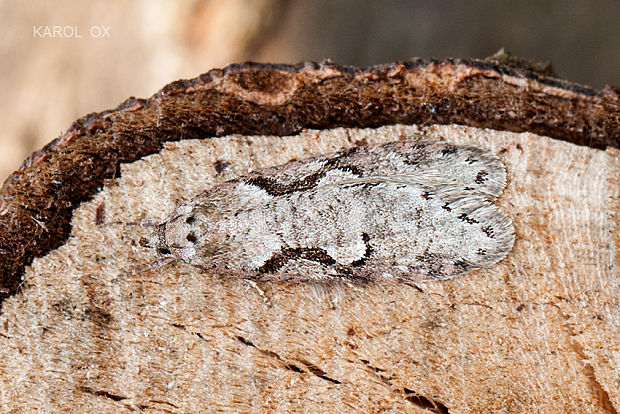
[(175, 237)]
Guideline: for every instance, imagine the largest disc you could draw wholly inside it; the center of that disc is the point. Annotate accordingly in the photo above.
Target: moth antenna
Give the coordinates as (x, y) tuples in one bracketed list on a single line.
[(141, 223), (153, 265)]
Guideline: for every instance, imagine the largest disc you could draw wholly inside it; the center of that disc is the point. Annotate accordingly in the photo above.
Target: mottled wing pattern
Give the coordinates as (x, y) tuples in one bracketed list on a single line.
[(402, 211)]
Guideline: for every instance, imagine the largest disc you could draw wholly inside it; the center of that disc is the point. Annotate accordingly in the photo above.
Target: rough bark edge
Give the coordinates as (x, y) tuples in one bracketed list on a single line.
[(37, 201)]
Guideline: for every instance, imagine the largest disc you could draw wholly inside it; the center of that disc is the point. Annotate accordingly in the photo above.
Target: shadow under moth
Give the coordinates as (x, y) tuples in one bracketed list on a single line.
[(396, 212)]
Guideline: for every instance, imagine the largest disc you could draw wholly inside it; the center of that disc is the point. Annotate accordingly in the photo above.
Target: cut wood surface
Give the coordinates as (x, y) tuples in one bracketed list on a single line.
[(538, 332)]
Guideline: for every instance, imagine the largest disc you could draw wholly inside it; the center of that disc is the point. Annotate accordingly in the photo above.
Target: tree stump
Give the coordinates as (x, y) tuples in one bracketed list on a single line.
[(538, 332)]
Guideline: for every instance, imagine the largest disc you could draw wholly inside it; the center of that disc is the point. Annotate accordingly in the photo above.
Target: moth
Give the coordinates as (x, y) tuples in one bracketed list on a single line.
[(396, 212)]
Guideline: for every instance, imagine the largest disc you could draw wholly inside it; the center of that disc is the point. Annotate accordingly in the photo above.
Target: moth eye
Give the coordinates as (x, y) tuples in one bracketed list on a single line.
[(191, 237), (163, 252), (190, 219)]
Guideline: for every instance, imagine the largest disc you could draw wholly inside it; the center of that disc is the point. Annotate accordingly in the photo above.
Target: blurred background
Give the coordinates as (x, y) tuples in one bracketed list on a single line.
[(62, 59)]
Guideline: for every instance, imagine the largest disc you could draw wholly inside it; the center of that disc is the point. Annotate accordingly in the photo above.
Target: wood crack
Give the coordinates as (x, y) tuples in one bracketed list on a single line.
[(594, 385), (310, 368), (423, 402)]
